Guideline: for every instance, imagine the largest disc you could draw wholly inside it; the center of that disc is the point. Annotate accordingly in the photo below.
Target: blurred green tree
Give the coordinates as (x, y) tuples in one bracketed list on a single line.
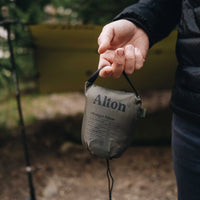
[(98, 12), (87, 11)]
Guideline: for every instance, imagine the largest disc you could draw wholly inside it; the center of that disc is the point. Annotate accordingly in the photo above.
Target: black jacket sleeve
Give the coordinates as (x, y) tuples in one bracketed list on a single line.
[(156, 17)]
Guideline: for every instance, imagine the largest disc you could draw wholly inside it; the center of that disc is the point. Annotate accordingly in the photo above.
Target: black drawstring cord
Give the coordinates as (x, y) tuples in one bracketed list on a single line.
[(95, 75), (110, 180), (125, 75)]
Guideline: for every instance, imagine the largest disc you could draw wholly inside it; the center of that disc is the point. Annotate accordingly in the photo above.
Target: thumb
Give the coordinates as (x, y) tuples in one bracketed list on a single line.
[(105, 38)]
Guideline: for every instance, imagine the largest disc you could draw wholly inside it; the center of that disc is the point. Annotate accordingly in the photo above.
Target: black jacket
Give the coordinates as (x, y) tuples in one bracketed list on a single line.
[(157, 18)]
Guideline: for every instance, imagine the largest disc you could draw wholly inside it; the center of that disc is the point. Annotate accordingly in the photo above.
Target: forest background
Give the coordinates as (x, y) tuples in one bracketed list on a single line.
[(98, 12)]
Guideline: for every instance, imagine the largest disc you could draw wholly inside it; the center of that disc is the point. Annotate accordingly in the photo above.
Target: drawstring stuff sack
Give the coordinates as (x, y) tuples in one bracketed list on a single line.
[(109, 118)]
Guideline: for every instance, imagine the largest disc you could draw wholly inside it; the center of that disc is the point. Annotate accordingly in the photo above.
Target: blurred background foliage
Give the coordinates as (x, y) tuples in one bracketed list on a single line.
[(98, 12)]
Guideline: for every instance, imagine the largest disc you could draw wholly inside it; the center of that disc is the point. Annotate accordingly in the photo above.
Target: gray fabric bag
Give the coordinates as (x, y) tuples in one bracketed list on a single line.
[(109, 119)]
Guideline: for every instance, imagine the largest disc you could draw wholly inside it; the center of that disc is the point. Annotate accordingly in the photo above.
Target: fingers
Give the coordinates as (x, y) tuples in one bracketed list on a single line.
[(127, 59), (114, 62), (103, 62), (106, 72), (139, 62), (105, 38), (106, 59), (133, 59), (130, 60), (118, 63)]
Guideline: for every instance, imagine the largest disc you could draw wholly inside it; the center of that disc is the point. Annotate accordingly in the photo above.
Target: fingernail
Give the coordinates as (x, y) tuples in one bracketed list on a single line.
[(120, 52), (129, 47)]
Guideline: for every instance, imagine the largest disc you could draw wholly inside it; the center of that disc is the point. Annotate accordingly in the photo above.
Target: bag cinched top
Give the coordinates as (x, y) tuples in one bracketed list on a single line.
[(109, 118)]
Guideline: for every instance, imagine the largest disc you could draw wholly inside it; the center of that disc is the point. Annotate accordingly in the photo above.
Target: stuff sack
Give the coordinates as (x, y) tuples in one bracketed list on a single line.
[(109, 119)]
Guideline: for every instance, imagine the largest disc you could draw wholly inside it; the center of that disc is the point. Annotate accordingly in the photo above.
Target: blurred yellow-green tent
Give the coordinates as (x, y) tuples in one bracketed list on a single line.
[(66, 55)]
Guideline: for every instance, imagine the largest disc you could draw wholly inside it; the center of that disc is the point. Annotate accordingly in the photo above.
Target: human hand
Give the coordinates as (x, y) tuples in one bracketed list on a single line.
[(122, 46)]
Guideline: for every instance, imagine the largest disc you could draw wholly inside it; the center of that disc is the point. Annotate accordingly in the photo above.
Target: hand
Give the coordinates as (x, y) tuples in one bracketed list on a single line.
[(122, 46)]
